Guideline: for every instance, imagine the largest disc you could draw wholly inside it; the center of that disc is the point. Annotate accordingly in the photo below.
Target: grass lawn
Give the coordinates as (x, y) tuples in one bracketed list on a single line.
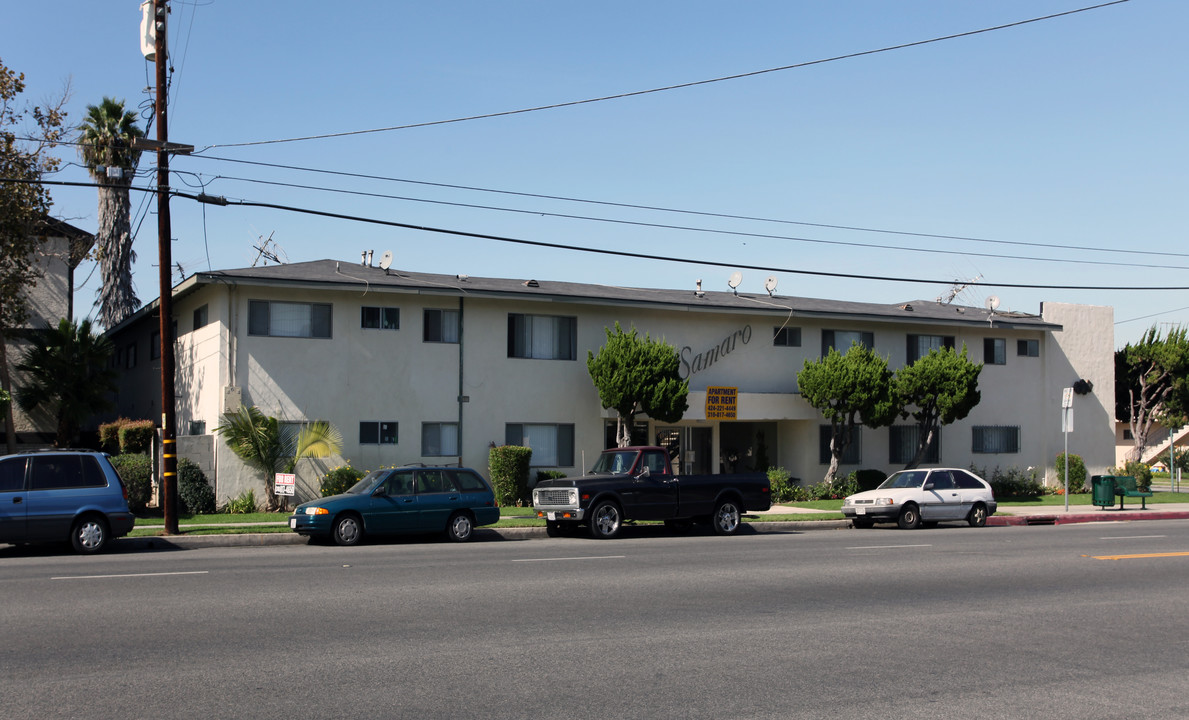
[(1085, 498)]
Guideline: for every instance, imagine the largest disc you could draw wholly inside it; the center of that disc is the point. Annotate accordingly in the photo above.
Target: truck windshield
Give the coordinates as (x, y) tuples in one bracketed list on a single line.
[(615, 462)]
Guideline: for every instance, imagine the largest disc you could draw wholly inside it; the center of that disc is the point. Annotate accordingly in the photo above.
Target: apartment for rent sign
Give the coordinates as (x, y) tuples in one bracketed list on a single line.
[(722, 403)]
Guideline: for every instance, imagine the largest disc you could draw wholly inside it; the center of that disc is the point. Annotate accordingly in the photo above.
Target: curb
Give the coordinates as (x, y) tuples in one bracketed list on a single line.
[(1067, 519)]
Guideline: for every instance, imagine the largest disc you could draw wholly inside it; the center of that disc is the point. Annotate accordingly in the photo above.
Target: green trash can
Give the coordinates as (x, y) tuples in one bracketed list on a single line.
[(1103, 489)]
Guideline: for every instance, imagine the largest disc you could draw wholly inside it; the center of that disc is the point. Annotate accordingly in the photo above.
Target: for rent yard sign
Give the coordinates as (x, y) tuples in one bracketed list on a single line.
[(284, 484), (722, 403)]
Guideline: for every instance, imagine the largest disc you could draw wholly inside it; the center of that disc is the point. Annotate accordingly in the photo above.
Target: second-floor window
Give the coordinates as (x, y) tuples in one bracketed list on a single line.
[(544, 337), (553, 445), (841, 340), (786, 337), (994, 351), (288, 319), (1028, 348), (440, 326), (920, 345), (379, 318), (439, 439)]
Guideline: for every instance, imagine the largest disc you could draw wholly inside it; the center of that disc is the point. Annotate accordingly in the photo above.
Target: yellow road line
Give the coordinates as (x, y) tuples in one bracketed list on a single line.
[(1145, 555)]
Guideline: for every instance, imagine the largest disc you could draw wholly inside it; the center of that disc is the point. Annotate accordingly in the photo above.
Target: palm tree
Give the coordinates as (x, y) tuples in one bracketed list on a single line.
[(106, 147), (257, 439), (68, 374)]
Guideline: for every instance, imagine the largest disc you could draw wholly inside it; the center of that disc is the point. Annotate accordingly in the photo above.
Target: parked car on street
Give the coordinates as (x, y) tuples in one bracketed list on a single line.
[(927, 496), (395, 501), (62, 495)]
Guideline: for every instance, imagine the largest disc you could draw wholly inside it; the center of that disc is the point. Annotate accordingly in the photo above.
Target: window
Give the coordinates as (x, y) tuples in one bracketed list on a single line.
[(841, 340), (374, 432), (288, 319), (553, 445), (379, 318), (130, 356), (544, 337), (468, 481), (200, 317), (920, 345), (439, 439), (52, 472), (12, 475), (850, 456), (994, 351), (903, 441), (638, 434), (965, 480), (155, 346), (995, 439), (1028, 348), (786, 336), (198, 427), (433, 481), (441, 326)]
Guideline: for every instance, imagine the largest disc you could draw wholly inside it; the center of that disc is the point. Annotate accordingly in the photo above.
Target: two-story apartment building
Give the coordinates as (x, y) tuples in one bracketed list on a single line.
[(416, 367)]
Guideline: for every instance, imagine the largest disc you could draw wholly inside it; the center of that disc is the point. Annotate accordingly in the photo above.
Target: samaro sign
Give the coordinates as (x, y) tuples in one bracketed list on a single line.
[(692, 363)]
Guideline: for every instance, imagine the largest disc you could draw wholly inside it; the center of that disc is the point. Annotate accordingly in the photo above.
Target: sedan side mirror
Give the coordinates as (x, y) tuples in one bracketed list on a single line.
[(380, 491)]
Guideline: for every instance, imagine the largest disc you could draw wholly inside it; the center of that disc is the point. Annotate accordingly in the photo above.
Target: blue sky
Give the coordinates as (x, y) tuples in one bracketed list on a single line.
[(1062, 141)]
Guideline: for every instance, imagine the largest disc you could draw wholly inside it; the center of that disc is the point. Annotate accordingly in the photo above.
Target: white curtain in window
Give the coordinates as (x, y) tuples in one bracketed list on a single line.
[(450, 333), (543, 440), (449, 439), (289, 319)]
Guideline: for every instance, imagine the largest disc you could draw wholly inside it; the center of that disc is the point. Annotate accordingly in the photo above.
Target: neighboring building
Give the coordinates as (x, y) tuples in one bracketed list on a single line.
[(415, 367), (50, 300)]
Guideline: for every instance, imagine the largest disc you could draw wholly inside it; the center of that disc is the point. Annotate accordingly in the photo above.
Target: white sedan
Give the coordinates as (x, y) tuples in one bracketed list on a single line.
[(928, 496)]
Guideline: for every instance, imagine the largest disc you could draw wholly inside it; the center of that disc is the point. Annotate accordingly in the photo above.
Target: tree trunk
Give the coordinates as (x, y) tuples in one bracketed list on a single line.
[(117, 300), (924, 439)]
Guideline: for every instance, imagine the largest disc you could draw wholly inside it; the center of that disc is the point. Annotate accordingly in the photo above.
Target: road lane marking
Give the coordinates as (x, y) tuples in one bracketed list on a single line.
[(1144, 555), (1133, 537), (884, 547), (591, 557), (100, 577)]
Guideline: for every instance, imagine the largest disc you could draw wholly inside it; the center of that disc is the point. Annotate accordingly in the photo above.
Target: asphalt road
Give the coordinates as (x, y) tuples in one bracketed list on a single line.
[(1014, 622)]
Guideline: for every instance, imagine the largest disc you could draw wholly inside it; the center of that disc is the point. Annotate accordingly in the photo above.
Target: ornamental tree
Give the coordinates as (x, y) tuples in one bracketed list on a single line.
[(1152, 384), (849, 389), (638, 375), (938, 389)]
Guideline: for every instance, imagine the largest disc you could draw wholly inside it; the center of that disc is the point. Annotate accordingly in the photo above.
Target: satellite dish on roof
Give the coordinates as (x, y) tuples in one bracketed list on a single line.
[(386, 260), (734, 280), (770, 284), (992, 303)]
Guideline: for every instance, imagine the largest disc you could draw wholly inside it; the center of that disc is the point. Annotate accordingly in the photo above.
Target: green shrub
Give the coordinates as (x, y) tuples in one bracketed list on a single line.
[(339, 480), (508, 465), (242, 504), (195, 494), (1012, 483), (136, 436), (109, 435), (869, 479), (1077, 473), (1141, 472), (136, 470)]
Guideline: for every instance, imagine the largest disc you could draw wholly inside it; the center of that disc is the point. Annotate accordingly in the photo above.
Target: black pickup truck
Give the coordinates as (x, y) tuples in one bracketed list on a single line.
[(637, 483)]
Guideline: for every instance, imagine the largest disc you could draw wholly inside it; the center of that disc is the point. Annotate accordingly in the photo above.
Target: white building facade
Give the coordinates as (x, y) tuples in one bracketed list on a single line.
[(415, 367)]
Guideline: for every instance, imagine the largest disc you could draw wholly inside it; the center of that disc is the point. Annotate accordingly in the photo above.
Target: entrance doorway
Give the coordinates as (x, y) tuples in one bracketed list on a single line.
[(689, 449), (746, 446)]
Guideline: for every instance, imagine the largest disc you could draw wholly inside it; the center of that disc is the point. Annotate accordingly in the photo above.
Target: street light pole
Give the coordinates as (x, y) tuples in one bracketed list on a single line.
[(169, 457)]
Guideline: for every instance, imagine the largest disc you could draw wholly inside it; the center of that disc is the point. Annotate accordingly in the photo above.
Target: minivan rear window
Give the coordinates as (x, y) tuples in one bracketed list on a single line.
[(55, 472), (12, 475)]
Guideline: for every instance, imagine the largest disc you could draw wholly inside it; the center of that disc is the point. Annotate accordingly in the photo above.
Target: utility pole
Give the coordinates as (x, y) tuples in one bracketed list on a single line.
[(169, 455)]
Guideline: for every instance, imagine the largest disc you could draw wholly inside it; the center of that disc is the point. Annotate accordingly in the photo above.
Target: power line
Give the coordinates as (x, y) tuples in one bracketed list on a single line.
[(621, 253), (688, 228), (701, 213), (670, 87)]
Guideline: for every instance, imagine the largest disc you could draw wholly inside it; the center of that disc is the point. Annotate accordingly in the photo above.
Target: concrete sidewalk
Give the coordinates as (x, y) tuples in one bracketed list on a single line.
[(1058, 515)]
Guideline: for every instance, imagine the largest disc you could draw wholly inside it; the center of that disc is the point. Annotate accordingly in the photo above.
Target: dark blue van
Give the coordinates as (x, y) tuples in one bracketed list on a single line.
[(59, 495)]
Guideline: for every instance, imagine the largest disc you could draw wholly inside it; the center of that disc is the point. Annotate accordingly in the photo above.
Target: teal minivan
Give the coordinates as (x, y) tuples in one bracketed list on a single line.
[(401, 501), (60, 495)]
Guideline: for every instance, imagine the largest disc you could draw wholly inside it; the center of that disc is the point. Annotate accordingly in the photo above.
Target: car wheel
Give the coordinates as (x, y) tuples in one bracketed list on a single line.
[(910, 517), (89, 534), (348, 530), (606, 520), (863, 523), (460, 528), (726, 518), (977, 516)]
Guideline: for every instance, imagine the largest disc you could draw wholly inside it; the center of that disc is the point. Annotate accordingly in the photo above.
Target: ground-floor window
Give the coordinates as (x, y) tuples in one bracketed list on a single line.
[(852, 455), (552, 445), (995, 439), (377, 432), (639, 434), (903, 441)]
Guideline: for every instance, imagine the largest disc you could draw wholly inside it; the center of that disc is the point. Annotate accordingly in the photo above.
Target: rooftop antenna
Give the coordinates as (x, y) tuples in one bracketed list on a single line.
[(956, 290), (263, 252), (734, 280), (992, 304)]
